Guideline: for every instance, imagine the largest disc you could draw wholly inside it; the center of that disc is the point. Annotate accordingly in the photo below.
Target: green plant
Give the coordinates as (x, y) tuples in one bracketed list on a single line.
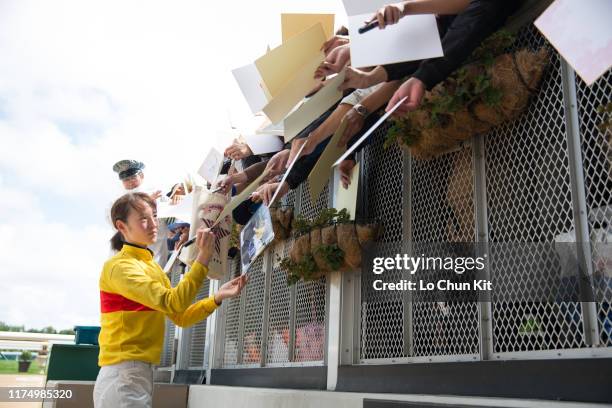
[(301, 225), (343, 217), (325, 218), (401, 129), (466, 86), (25, 356), (330, 216), (296, 271), (606, 112), (234, 240), (332, 255)]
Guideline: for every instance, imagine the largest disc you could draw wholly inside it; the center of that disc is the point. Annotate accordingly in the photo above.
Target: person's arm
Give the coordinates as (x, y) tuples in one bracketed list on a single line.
[(328, 127), (392, 13), (238, 150), (371, 103), (305, 135), (443, 7), (334, 61), (132, 282), (467, 31), (321, 136), (360, 79), (304, 165), (195, 313), (242, 179), (380, 96), (464, 34), (205, 307), (254, 170)]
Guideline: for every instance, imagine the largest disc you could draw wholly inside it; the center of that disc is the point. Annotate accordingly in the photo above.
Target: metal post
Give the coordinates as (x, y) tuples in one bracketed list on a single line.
[(349, 322), (485, 314), (183, 338), (293, 291), (240, 342), (333, 306), (292, 323), (267, 268), (349, 319), (215, 335), (407, 248), (583, 242), (182, 353)]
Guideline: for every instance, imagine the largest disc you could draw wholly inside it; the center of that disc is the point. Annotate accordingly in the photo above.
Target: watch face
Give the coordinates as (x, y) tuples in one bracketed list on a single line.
[(361, 110)]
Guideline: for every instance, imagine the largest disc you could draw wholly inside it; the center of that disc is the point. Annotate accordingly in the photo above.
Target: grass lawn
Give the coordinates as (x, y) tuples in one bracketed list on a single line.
[(10, 367)]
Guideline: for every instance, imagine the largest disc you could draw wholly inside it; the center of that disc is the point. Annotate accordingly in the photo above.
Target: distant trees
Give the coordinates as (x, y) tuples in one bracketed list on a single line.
[(47, 330)]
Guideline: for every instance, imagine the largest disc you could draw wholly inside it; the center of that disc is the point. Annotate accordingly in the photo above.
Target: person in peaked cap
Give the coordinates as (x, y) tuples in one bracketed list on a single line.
[(132, 177), (130, 173)]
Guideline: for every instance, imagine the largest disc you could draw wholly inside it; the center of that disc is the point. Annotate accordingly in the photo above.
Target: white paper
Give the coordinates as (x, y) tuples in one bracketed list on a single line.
[(171, 260), (210, 168), (369, 132), (262, 144), (582, 33), (181, 211), (238, 166), (354, 7), (297, 156), (250, 84), (413, 38)]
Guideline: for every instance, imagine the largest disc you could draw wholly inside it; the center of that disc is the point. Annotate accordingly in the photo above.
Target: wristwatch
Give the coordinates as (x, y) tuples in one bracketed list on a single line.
[(361, 110)]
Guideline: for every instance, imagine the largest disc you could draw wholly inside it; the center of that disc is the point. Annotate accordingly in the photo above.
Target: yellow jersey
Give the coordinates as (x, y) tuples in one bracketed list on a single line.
[(135, 297)]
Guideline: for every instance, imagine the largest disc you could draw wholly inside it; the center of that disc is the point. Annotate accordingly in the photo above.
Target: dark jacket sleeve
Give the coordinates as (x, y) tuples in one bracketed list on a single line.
[(250, 160), (304, 165), (464, 34), (302, 168)]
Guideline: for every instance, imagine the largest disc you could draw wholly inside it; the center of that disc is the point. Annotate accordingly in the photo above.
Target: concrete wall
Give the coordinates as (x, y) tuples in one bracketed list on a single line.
[(221, 396)]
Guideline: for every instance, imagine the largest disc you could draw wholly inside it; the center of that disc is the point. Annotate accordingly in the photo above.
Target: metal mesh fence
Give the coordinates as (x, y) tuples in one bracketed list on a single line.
[(279, 315), (280, 308), (253, 313), (198, 333), (310, 321), (309, 331), (529, 201), (232, 322), (442, 212), (295, 317), (596, 141), (382, 317)]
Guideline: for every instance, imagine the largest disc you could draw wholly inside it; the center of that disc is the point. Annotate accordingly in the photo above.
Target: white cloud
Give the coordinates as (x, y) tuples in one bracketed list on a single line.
[(18, 204), (84, 84), (51, 273)]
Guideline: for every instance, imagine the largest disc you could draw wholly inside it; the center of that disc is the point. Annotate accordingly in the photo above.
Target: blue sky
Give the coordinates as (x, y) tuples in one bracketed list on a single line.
[(86, 83)]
